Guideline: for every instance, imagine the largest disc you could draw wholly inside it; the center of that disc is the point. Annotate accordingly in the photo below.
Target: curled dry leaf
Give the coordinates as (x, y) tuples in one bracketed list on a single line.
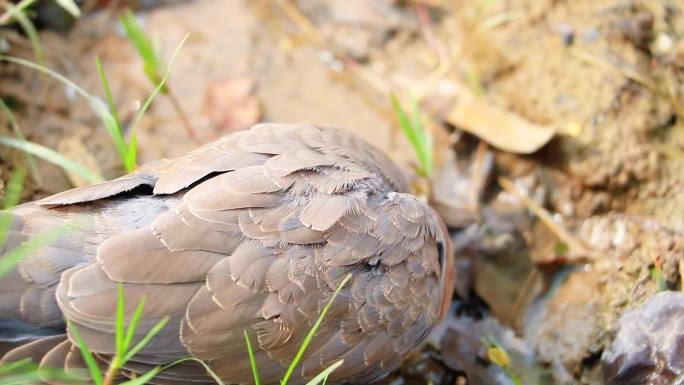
[(231, 104), (500, 128)]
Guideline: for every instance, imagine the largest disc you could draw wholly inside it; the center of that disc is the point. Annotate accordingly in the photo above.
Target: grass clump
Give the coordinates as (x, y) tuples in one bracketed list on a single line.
[(107, 113), (321, 377), (125, 350), (152, 65), (24, 371), (415, 132)]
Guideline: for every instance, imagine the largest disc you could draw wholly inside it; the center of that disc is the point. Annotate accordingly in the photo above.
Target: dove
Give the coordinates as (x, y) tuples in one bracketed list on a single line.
[(250, 233)]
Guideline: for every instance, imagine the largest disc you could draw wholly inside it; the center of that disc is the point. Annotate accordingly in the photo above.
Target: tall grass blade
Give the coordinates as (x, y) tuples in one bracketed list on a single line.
[(419, 138), (14, 256), (113, 122), (144, 379), (322, 377), (20, 365), (11, 12), (96, 104), (52, 73), (152, 64), (133, 325), (15, 185), (33, 375), (424, 149), (159, 87), (119, 334), (312, 332), (213, 374), (52, 157), (252, 359), (87, 355), (30, 30), (146, 339), (16, 128)]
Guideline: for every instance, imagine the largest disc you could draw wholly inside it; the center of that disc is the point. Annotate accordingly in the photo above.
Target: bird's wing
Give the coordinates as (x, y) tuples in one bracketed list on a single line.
[(260, 247)]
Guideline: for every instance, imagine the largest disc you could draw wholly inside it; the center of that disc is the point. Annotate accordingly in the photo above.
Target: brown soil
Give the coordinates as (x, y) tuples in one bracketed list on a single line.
[(606, 76)]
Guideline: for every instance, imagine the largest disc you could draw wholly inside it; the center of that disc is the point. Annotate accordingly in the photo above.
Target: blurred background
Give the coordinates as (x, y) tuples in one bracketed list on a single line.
[(547, 133)]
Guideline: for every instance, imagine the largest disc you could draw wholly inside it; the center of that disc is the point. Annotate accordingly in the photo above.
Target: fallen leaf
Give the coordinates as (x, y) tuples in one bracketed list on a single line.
[(500, 128), (231, 104)]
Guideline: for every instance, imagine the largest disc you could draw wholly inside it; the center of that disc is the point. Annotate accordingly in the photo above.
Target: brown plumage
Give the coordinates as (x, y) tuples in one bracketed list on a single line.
[(251, 232)]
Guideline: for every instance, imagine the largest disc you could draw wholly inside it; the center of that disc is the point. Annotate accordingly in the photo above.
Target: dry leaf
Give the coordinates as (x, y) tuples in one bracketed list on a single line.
[(232, 105), (498, 127)]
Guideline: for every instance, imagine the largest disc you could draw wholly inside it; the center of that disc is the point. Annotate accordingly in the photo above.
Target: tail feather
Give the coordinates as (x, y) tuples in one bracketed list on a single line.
[(27, 292), (34, 350), (58, 352)]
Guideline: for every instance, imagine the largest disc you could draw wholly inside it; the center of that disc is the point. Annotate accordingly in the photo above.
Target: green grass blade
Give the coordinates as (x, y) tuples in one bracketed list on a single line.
[(36, 376), (322, 377), (404, 120), (145, 340), (143, 45), (70, 6), (14, 256), (9, 367), (16, 128), (424, 149), (416, 134), (87, 355), (144, 379), (213, 374), (52, 73), (312, 332), (132, 151), (108, 93), (96, 105), (133, 325), (120, 334), (11, 12), (15, 185), (252, 359), (112, 121), (30, 30), (131, 158), (52, 157), (159, 87)]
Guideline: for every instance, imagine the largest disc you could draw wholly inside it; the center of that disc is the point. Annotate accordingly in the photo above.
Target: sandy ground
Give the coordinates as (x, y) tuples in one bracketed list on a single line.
[(586, 95)]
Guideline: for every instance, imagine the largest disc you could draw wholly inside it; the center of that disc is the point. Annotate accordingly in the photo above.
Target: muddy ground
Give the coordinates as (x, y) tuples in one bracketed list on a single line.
[(577, 106)]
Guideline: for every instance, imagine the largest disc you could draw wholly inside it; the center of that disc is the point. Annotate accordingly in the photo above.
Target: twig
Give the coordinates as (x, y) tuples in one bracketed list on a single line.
[(525, 292), (435, 44), (181, 114), (630, 74), (301, 20), (681, 274), (476, 177), (573, 243)]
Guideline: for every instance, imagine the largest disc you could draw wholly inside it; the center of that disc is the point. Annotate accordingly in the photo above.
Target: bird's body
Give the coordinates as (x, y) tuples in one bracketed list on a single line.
[(252, 232)]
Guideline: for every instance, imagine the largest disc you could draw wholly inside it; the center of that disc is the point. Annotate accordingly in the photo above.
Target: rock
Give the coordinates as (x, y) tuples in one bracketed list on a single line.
[(649, 345)]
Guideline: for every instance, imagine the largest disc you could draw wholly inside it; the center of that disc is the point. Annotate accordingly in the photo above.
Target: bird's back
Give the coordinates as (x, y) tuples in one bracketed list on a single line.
[(251, 233)]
